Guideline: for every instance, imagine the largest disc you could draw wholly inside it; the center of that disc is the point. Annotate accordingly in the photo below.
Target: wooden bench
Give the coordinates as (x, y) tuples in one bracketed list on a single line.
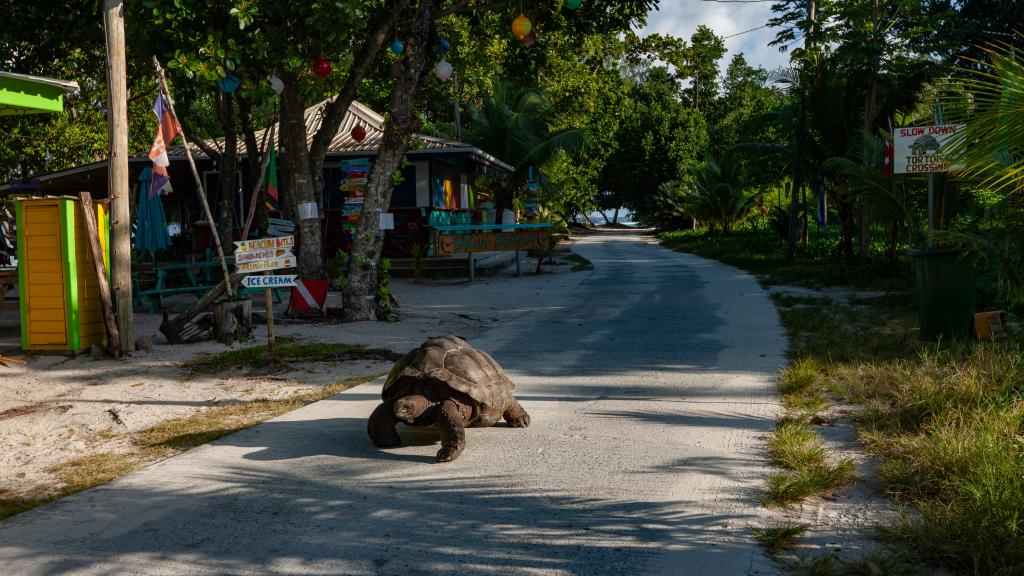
[(155, 294)]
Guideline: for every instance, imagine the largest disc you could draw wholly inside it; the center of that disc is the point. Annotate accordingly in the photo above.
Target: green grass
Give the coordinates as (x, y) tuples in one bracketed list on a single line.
[(776, 538), (286, 350), (790, 486), (946, 420), (795, 446), (763, 254), (167, 439)]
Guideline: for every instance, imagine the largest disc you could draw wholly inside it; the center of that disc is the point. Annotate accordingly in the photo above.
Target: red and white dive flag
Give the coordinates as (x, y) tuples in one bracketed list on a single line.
[(166, 132)]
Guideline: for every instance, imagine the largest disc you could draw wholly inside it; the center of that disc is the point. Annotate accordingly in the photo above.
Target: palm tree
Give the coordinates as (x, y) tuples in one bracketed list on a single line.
[(515, 126), (990, 154), (716, 192)]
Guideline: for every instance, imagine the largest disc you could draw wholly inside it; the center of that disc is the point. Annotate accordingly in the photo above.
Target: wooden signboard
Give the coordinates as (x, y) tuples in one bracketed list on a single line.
[(448, 244)]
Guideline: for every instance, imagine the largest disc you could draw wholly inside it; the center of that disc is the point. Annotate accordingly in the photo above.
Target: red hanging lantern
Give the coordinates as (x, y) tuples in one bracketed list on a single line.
[(322, 67), (359, 133), (522, 26)]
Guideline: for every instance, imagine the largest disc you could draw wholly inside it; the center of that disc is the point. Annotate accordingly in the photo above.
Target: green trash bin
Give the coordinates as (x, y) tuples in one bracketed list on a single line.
[(945, 293)]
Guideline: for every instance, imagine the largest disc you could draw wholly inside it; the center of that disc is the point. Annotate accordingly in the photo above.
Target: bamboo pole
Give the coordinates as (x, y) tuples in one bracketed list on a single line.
[(195, 173), (118, 190), (101, 274)]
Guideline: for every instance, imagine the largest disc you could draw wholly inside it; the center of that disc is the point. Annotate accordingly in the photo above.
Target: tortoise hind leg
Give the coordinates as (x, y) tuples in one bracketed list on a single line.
[(516, 415), (453, 431), (381, 427)]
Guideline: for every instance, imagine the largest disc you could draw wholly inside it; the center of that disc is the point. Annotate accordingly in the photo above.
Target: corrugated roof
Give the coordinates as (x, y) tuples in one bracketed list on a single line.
[(344, 144)]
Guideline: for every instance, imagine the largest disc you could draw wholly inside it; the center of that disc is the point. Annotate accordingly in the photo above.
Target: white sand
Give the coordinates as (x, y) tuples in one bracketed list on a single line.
[(55, 408)]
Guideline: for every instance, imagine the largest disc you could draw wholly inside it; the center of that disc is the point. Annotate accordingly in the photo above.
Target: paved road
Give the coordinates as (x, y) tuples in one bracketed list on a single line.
[(650, 390)]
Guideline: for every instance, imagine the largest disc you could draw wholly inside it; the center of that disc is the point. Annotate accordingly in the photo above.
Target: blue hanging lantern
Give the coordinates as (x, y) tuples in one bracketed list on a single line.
[(229, 83), (442, 47), (397, 47)]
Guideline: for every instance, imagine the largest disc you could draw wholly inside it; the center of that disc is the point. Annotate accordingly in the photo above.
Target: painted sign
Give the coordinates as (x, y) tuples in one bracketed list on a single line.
[(277, 281), (917, 148), (264, 265), (492, 242), (264, 244), (263, 254)]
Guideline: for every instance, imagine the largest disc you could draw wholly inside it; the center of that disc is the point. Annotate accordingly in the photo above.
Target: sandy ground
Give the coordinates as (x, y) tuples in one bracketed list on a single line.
[(54, 409)]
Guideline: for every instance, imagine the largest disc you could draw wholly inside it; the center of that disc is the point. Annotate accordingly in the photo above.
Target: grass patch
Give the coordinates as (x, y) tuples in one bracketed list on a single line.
[(791, 486), (286, 350), (167, 439), (778, 537), (795, 446), (11, 504)]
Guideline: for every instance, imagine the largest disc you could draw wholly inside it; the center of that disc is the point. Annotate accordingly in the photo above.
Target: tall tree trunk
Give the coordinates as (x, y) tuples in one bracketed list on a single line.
[(228, 178), (870, 104), (844, 207), (299, 185), (402, 121), (254, 160)]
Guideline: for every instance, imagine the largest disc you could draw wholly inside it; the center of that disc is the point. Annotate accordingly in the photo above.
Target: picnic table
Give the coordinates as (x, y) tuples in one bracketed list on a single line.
[(199, 278)]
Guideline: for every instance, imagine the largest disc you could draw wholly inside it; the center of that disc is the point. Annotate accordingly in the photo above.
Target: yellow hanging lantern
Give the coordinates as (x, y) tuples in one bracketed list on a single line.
[(521, 26)]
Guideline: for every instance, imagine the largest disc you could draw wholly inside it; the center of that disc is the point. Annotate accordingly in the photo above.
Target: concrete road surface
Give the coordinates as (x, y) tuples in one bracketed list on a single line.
[(650, 387)]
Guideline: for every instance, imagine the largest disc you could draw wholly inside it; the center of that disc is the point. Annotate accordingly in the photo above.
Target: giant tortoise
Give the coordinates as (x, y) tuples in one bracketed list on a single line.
[(447, 383)]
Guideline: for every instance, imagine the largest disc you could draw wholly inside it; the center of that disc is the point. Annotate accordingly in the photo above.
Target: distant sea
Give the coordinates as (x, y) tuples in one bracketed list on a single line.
[(625, 217)]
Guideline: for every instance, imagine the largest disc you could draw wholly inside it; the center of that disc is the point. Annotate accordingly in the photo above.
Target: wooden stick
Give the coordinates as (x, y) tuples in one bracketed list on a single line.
[(259, 184), (101, 274), (199, 183)]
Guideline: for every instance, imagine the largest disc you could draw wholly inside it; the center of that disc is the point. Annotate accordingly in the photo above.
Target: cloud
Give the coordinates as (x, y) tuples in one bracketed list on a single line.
[(681, 18)]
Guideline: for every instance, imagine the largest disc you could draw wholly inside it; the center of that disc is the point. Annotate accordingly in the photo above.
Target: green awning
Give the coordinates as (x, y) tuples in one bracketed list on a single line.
[(23, 94)]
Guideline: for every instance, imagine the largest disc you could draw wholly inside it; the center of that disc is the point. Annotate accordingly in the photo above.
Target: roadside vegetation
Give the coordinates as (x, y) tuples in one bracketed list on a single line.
[(150, 445), (945, 420)]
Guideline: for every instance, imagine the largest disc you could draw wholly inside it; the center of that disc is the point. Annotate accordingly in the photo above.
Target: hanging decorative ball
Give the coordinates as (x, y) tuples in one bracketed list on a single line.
[(276, 84), (397, 47), (528, 40), (443, 70), (521, 26), (359, 133), (573, 4), (229, 83), (322, 67)]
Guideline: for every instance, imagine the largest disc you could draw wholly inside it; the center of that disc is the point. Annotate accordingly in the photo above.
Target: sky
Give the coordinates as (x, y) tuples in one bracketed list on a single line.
[(681, 17)]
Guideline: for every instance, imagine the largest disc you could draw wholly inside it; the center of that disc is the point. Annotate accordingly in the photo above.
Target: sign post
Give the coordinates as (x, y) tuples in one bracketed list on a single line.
[(266, 255), (917, 151)]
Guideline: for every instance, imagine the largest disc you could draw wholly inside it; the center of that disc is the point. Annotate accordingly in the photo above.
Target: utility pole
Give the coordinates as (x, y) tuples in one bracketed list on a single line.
[(117, 175)]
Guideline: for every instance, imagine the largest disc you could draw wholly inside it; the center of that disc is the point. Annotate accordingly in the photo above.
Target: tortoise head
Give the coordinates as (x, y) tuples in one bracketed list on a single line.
[(409, 408)]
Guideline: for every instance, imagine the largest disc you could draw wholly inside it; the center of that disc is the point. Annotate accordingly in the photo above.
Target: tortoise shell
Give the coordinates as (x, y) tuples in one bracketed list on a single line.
[(450, 361)]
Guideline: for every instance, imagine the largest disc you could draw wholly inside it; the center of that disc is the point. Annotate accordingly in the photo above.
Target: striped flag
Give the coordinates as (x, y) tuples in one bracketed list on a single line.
[(889, 153), (273, 199), (166, 132)]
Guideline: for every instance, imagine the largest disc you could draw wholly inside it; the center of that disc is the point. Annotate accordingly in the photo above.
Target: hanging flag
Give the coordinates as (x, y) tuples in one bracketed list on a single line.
[(889, 153), (822, 215), (273, 198), (166, 132)]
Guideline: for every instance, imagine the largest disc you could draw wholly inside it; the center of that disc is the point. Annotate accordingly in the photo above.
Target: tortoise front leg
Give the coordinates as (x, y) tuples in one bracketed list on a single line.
[(516, 415), (381, 427), (453, 431)]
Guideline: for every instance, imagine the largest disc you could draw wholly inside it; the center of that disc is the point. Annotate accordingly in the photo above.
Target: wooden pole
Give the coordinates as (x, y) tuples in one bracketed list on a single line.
[(118, 190), (269, 297), (101, 274), (199, 182)]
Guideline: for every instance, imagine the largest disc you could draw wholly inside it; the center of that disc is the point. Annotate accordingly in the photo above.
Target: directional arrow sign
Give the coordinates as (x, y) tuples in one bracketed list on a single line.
[(263, 254), (269, 281), (263, 265), (264, 243)]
